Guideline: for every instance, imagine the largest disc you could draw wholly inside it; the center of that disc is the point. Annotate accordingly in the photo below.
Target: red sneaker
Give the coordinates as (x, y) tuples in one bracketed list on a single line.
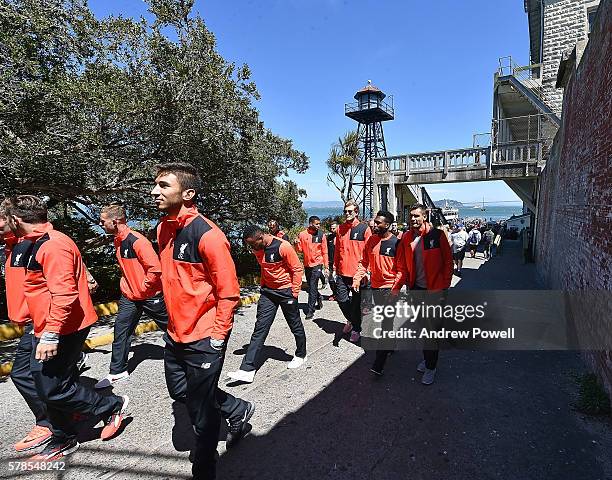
[(113, 424), (37, 437)]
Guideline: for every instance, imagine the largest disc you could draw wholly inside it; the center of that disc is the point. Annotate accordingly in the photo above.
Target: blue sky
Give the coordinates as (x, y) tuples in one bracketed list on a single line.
[(309, 57)]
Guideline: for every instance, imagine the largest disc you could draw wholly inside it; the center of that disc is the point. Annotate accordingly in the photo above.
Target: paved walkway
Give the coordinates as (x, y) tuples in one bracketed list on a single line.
[(490, 415)]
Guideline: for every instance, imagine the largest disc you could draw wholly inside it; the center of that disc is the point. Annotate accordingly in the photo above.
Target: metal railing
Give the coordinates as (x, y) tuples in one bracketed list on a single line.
[(523, 139), (528, 75), (358, 106)]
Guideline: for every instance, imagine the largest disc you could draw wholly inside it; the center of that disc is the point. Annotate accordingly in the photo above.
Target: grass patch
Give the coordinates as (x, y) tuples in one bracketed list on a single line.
[(592, 398)]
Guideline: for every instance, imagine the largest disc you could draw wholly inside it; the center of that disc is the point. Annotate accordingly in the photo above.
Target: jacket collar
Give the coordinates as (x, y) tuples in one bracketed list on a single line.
[(423, 230), (184, 216), (39, 231), (121, 236)]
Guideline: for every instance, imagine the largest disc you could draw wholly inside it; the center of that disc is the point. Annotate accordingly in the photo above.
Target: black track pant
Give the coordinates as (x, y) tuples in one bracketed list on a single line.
[(268, 304), (58, 387), (312, 279), (192, 373), (431, 350), (21, 374), (349, 301), (126, 322)]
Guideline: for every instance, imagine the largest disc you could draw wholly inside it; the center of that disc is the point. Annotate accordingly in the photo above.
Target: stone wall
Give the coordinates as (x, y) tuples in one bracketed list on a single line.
[(565, 22), (574, 221)]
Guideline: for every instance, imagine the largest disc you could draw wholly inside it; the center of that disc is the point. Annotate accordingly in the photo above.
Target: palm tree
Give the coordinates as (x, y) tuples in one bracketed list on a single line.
[(345, 162)]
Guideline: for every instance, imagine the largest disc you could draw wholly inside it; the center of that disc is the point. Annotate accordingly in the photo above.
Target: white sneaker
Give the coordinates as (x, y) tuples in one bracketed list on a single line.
[(242, 376), (421, 367), (428, 376), (347, 328), (111, 379), (297, 362), (355, 336)]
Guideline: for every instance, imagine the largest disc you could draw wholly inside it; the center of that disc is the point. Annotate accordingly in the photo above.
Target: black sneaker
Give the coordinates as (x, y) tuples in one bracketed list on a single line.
[(319, 302), (237, 428), (56, 450), (309, 316)]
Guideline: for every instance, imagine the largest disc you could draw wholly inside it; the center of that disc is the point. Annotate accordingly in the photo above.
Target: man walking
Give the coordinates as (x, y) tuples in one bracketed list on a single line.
[(331, 248), (141, 289), (487, 241), (17, 252), (425, 263), (474, 239), (379, 258), (201, 292), (313, 244), (459, 240), (281, 282), (58, 300), (351, 238), (275, 230)]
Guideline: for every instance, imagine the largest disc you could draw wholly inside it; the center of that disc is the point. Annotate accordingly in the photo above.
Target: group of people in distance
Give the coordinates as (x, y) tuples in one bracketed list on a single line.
[(190, 289)]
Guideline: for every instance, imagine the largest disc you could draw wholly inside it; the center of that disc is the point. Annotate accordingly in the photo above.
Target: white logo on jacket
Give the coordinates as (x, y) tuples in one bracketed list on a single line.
[(388, 251), (355, 236), (272, 257), (182, 249), (125, 253), (432, 243), (17, 258)]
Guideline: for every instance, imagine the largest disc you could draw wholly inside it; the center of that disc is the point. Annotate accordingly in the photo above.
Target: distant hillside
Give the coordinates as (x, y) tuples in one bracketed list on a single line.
[(329, 204), (451, 203)]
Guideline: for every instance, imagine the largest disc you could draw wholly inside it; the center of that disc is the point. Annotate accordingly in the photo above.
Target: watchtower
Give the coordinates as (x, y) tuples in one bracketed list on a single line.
[(369, 111)]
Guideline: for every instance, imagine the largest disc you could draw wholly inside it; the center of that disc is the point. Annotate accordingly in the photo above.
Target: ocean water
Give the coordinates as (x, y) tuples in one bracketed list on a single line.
[(491, 213)]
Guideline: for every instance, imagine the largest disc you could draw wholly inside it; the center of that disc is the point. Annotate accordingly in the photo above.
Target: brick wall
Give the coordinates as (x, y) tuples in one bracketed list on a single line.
[(565, 22), (574, 226)]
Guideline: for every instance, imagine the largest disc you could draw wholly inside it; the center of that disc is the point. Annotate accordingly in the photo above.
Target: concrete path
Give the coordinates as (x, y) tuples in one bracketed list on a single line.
[(490, 415)]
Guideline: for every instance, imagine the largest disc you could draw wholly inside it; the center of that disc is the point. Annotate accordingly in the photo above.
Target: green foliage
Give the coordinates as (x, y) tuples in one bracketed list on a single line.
[(345, 163), (592, 399), (89, 106)]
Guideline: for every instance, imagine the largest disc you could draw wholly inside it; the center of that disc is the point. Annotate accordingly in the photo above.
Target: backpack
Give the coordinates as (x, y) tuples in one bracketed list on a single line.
[(488, 236)]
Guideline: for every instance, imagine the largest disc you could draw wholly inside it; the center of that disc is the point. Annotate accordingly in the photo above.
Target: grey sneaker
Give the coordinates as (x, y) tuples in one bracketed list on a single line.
[(421, 367), (238, 428), (428, 376)]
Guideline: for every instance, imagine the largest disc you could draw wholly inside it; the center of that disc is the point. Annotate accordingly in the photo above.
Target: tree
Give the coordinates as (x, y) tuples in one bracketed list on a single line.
[(89, 106), (345, 163)]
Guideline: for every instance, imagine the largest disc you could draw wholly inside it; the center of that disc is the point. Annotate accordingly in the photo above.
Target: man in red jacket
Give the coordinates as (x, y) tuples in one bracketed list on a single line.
[(426, 263), (313, 244), (351, 238), (16, 253), (141, 288), (275, 229), (281, 282), (58, 300), (379, 258), (201, 292)]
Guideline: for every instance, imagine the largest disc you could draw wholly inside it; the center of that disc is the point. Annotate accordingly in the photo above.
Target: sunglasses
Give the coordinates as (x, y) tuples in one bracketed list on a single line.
[(349, 211)]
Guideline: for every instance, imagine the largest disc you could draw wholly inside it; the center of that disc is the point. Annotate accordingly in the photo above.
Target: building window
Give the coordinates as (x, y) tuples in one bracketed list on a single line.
[(591, 12)]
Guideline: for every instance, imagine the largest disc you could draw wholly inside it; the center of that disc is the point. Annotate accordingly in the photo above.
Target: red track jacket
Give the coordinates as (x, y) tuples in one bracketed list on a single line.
[(17, 252), (379, 258), (280, 266), (350, 242), (139, 264), (55, 284), (198, 277), (313, 244)]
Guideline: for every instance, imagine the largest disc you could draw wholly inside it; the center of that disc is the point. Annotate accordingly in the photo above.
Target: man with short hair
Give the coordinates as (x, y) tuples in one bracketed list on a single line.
[(379, 258), (474, 237), (201, 292), (58, 300), (281, 282), (313, 244), (16, 254), (351, 238), (275, 230), (395, 230), (141, 288), (458, 241), (425, 263), (487, 241)]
